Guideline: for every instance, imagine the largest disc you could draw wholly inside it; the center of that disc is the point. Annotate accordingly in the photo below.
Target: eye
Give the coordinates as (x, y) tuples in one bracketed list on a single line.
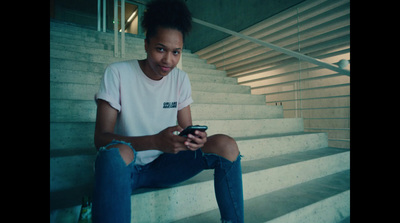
[(159, 49), (175, 52)]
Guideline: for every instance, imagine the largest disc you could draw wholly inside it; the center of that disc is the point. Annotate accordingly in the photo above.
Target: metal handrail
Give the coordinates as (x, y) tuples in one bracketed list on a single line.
[(275, 47)]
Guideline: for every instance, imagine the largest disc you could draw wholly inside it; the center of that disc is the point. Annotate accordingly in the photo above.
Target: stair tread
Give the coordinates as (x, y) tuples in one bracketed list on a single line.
[(287, 200), (259, 177), (81, 134), (259, 165), (62, 110), (92, 151), (248, 167)]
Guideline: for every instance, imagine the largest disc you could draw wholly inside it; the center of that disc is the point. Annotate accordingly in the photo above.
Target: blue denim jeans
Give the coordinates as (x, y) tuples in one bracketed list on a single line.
[(115, 181)]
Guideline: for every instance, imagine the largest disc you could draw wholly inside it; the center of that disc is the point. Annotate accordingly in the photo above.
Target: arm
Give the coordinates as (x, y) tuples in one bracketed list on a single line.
[(104, 130), (185, 117), (106, 118)]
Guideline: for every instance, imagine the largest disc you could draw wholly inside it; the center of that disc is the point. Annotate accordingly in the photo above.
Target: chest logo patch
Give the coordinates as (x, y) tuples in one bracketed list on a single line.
[(169, 104)]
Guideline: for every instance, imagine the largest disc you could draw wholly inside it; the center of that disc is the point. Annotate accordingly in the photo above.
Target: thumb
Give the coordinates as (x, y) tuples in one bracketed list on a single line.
[(176, 128)]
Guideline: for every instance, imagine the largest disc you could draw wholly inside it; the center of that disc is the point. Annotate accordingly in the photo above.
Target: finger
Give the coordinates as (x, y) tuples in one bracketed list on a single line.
[(195, 142), (176, 128), (201, 134), (197, 139), (180, 139), (192, 146)]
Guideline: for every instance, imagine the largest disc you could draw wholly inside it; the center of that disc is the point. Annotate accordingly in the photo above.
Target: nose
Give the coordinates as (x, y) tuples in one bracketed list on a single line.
[(167, 58)]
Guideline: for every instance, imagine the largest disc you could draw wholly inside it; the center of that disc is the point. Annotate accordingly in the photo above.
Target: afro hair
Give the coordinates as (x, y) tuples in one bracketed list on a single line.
[(172, 14)]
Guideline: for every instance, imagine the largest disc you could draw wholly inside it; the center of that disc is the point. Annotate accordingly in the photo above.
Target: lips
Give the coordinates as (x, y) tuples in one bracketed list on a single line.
[(165, 69)]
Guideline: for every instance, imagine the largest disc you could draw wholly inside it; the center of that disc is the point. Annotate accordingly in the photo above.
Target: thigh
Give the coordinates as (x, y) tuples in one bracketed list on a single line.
[(170, 169)]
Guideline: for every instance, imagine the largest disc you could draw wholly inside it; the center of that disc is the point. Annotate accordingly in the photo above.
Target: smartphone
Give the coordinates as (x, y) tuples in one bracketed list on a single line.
[(191, 129)]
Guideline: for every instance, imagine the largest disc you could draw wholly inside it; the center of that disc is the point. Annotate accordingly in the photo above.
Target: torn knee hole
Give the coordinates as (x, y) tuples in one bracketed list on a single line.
[(125, 151)]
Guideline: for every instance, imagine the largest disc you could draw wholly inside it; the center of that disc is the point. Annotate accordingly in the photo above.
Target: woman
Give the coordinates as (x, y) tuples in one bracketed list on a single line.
[(138, 105)]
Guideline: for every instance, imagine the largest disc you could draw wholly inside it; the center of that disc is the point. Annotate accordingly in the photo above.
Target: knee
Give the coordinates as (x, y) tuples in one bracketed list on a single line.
[(224, 146), (125, 151)]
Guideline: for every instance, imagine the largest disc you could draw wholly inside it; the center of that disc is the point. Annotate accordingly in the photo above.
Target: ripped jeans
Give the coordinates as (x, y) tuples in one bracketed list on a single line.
[(115, 181)]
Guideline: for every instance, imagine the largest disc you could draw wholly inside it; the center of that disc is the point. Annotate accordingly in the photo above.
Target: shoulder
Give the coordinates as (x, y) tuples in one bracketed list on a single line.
[(179, 74), (122, 65), (118, 70)]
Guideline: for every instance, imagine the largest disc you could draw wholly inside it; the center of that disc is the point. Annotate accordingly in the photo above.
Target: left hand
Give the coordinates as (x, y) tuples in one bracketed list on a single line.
[(194, 142)]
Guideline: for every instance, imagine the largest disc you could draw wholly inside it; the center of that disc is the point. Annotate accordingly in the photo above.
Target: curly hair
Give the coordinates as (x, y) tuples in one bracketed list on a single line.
[(172, 14)]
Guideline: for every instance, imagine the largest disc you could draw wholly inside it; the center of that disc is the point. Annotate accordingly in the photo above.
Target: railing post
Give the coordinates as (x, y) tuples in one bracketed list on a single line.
[(98, 14), (115, 28), (104, 15), (122, 28), (140, 13)]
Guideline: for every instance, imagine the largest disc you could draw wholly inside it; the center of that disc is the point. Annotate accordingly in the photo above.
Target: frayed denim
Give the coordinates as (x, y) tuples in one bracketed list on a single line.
[(115, 181)]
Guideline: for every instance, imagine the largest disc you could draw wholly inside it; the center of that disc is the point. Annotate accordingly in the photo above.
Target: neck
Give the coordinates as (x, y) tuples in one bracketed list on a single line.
[(144, 65)]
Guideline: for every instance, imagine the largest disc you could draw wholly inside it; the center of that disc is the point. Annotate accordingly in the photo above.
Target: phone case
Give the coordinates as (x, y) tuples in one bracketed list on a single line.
[(191, 129)]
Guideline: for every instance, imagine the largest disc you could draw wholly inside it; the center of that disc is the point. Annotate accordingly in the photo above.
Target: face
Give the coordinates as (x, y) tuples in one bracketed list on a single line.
[(163, 53)]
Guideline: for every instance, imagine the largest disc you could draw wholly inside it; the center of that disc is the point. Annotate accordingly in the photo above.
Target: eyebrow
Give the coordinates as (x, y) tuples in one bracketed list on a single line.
[(160, 44)]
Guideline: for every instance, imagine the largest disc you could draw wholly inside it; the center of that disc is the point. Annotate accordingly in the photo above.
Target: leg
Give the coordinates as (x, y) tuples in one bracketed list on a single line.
[(223, 151), (125, 151), (222, 145), (170, 169), (112, 193)]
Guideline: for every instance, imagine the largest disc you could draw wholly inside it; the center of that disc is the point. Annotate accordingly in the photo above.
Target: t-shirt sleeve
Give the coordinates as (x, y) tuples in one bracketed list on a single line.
[(185, 93), (110, 88)]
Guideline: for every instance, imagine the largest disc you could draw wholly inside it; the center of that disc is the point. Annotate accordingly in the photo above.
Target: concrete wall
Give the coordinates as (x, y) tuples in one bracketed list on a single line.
[(330, 114), (75, 11), (232, 14)]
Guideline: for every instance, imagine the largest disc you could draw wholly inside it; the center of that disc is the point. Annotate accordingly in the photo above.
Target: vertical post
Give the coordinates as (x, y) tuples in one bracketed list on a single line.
[(140, 14), (98, 14), (179, 65), (115, 28), (104, 15), (299, 86), (122, 28)]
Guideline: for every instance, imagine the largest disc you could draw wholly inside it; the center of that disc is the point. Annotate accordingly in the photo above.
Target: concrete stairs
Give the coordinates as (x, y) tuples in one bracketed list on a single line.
[(288, 175)]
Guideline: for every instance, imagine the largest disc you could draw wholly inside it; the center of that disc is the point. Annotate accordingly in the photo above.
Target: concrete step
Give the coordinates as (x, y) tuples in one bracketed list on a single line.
[(202, 92), (72, 168), (68, 64), (272, 173), (193, 70), (91, 57), (85, 111), (79, 45), (251, 149), (260, 177), (93, 36), (243, 128), (200, 97), (75, 137), (86, 77), (221, 88), (73, 65), (230, 112), (278, 144), (77, 91), (107, 49), (103, 53), (327, 198), (89, 38), (79, 135)]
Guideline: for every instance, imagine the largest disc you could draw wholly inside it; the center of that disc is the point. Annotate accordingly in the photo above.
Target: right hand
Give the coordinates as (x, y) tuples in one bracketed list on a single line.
[(168, 142)]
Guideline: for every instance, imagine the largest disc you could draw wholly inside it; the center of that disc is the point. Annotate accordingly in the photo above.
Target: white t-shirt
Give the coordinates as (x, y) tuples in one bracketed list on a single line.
[(145, 106)]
